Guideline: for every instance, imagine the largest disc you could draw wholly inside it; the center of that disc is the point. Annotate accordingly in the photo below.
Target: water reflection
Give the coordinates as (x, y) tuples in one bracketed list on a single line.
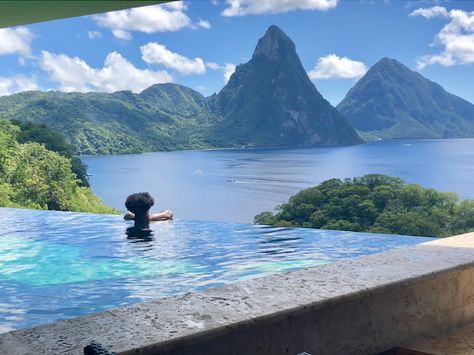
[(139, 234)]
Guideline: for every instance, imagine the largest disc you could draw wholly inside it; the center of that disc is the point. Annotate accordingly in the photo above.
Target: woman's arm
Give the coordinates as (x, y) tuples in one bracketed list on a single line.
[(161, 216), (129, 216)]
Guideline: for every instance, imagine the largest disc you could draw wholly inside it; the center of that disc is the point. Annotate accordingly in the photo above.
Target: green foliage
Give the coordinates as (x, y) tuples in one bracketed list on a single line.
[(162, 117), (391, 101), (32, 176), (375, 203), (54, 141)]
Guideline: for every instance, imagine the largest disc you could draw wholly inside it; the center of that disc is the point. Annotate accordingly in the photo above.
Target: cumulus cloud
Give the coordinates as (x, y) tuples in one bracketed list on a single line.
[(435, 11), (16, 84), (15, 41), (227, 69), (332, 66), (155, 53), (148, 19), (74, 74), (456, 37), (252, 7), (94, 34)]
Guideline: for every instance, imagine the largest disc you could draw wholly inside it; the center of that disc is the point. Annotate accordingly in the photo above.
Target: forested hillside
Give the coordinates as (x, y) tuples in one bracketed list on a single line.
[(163, 117), (33, 176)]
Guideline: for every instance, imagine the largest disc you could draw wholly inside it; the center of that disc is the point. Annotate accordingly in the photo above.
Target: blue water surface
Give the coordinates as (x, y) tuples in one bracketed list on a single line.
[(236, 184), (57, 265)]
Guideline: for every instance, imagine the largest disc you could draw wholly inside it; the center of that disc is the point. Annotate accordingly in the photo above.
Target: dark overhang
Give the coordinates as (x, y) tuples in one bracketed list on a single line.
[(19, 12)]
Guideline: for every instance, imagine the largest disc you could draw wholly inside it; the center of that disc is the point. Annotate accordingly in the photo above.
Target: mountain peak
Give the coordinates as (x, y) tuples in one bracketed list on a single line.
[(387, 60), (274, 44), (388, 63), (271, 102), (393, 101)]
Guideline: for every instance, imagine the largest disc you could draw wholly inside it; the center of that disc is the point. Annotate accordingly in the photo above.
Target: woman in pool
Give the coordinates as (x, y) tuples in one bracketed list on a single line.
[(139, 205)]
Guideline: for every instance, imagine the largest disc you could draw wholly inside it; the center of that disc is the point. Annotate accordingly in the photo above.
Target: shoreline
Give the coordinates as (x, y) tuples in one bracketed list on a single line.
[(280, 147)]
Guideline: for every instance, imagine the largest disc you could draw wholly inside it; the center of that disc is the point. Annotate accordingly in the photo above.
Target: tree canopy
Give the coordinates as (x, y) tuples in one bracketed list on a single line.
[(33, 176), (52, 140), (375, 203)]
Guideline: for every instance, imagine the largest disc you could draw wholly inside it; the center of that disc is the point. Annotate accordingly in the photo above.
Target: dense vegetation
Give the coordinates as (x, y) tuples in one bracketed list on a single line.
[(55, 141), (162, 117), (33, 176), (269, 101), (375, 203), (391, 101)]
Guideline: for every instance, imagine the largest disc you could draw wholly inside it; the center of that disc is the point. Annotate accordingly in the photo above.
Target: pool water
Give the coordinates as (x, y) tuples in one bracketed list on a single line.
[(57, 265)]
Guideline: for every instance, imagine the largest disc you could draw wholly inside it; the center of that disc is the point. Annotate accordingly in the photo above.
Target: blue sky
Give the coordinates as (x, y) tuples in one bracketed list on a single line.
[(198, 43)]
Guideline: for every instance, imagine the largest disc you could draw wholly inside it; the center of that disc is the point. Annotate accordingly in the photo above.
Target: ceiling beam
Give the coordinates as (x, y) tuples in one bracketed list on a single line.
[(23, 12)]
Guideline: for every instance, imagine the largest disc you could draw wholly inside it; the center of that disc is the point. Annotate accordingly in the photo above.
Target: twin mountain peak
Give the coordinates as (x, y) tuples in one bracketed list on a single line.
[(268, 102)]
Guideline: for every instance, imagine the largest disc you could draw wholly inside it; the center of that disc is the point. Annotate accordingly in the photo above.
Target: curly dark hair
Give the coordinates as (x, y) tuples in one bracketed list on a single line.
[(139, 203)]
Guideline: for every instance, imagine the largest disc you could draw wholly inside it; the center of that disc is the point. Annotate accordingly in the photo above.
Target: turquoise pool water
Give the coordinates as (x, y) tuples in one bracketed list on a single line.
[(57, 265)]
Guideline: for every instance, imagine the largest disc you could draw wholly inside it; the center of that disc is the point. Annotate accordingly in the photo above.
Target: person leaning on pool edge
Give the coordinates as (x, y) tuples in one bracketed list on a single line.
[(139, 205)]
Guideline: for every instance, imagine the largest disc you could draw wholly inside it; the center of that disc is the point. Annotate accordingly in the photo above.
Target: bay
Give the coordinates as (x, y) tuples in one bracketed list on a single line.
[(235, 185)]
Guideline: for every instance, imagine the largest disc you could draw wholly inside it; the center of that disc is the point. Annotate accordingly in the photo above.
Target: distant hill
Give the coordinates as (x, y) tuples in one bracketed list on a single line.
[(268, 101), (162, 117), (392, 101)]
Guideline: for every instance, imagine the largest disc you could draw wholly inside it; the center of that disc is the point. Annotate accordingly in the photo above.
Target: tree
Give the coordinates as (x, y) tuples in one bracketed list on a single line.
[(32, 176), (375, 203), (54, 141)]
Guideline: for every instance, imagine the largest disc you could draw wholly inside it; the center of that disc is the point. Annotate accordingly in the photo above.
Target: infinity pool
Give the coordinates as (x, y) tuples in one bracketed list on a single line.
[(57, 265)]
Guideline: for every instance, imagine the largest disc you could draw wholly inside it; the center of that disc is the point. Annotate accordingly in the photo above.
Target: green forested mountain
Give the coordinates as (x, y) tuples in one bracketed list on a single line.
[(269, 101), (375, 203), (392, 101), (122, 122)]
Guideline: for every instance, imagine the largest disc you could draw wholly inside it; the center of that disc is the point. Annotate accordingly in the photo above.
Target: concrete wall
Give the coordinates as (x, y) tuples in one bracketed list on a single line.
[(359, 306)]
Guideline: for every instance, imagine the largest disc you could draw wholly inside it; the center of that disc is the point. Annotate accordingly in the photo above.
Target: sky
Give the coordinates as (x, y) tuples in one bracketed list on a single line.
[(199, 43)]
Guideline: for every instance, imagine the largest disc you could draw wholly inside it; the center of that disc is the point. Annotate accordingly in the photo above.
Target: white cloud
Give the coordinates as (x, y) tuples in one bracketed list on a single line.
[(252, 7), (17, 84), (332, 66), (203, 24), (435, 11), (148, 19), (74, 74), (228, 69), (456, 38), (213, 66), (15, 41), (155, 53), (94, 34)]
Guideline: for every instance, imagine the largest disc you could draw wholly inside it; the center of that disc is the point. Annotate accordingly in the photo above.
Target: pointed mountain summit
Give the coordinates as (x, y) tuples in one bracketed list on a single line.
[(270, 101), (275, 45), (392, 101)]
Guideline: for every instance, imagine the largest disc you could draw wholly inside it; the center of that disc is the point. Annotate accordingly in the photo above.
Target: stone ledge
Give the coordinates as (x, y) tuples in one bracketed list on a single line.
[(358, 306)]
